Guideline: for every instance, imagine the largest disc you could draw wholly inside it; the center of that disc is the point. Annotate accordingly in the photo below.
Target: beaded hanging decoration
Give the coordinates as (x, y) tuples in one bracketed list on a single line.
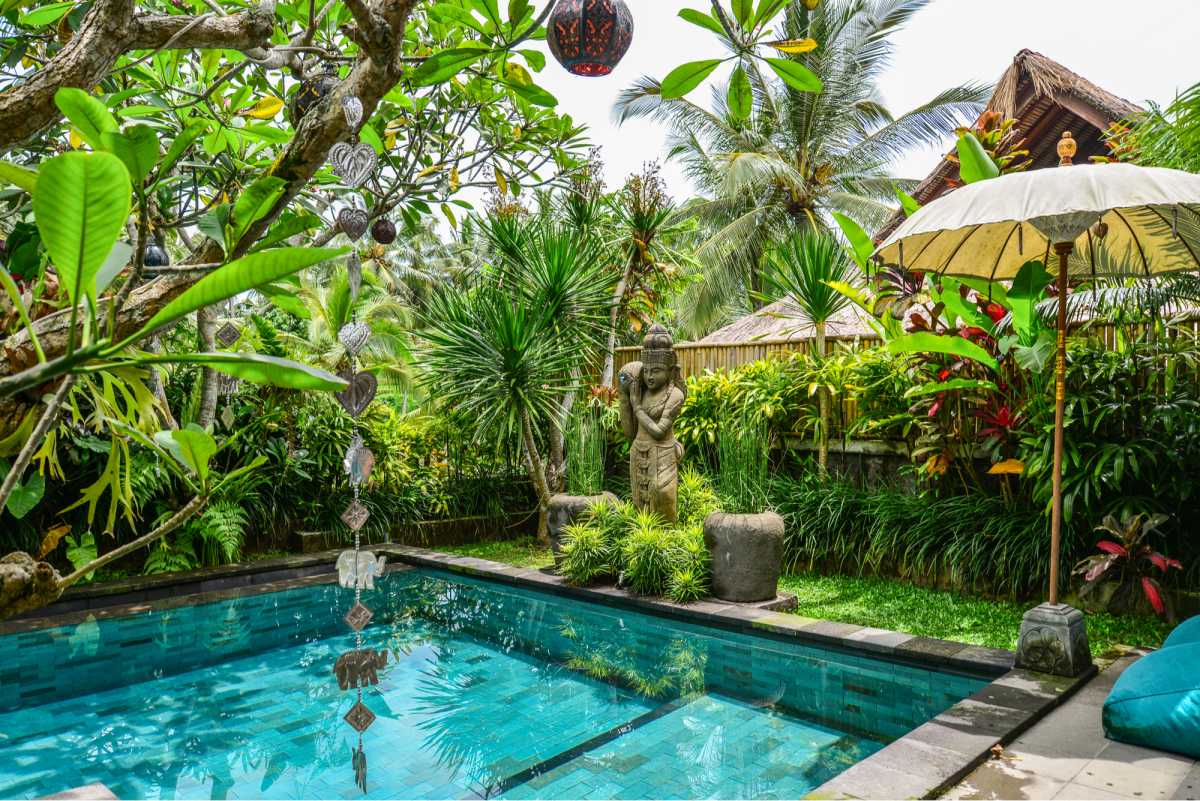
[(357, 569)]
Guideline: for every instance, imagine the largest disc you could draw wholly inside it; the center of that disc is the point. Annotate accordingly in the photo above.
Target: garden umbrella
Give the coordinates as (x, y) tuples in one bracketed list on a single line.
[(1099, 219)]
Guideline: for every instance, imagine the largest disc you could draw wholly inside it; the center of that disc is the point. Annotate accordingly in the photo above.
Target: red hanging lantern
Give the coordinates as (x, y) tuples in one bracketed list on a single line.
[(590, 37)]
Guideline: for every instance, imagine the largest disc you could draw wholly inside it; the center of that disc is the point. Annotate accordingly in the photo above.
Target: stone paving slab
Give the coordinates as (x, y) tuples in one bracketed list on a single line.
[(1067, 756), (89, 792)]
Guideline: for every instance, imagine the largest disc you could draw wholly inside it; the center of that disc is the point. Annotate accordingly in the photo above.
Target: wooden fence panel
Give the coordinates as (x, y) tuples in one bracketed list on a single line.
[(695, 358)]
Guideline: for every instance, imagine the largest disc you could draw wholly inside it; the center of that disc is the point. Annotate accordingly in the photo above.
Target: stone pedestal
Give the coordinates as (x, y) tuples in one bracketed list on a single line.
[(565, 510), (747, 551), (1054, 640), (311, 541)]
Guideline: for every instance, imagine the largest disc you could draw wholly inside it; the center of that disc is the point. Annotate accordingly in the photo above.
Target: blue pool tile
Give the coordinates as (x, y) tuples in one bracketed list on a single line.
[(484, 685)]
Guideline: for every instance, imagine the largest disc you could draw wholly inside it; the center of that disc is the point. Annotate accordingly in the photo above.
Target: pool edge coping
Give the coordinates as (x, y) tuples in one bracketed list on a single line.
[(923, 763)]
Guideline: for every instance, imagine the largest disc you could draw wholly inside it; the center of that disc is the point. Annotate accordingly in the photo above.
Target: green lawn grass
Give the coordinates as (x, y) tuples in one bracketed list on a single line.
[(889, 604), (900, 606), (521, 552)]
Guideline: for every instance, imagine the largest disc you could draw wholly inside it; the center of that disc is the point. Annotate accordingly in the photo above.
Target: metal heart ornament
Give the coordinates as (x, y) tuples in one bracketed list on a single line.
[(353, 223), (358, 396), (352, 107), (354, 274), (352, 163), (354, 336)]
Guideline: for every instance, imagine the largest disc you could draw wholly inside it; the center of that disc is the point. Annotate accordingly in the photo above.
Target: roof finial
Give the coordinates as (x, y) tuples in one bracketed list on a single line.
[(1066, 149)]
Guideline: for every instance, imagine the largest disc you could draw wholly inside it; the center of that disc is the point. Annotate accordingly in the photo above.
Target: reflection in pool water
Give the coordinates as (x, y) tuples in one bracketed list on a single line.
[(488, 691)]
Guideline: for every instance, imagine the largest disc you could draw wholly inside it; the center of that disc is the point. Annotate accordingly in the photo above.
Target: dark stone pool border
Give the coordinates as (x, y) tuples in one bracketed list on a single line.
[(922, 764)]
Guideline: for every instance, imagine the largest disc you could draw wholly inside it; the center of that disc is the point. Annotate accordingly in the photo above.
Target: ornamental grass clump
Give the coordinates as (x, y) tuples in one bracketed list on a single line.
[(586, 555), (743, 452)]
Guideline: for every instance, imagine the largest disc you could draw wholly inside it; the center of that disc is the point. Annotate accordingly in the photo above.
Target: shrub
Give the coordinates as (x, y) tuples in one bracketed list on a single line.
[(691, 577), (586, 554), (647, 555), (697, 498)]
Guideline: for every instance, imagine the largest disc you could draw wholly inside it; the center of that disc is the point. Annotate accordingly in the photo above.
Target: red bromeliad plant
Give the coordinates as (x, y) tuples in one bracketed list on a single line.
[(1129, 559)]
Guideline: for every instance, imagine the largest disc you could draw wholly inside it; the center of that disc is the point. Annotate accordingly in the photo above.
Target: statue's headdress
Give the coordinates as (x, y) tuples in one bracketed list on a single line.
[(658, 347)]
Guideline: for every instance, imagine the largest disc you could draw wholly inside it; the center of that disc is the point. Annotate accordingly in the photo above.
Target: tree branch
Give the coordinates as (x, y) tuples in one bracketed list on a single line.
[(109, 30)]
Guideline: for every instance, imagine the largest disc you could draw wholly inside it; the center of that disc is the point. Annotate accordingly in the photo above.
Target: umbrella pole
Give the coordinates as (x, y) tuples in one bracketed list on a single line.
[(1064, 250)]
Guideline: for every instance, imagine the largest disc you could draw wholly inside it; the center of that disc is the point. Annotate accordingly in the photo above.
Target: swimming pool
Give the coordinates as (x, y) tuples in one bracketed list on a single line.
[(488, 691)]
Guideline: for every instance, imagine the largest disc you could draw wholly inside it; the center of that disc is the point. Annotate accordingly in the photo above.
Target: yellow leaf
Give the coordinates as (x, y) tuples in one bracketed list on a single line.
[(517, 131), (264, 109), (501, 182), (428, 171), (455, 179), (1009, 467), (52, 538), (27, 62), (75, 139), (518, 74), (389, 140), (794, 47)]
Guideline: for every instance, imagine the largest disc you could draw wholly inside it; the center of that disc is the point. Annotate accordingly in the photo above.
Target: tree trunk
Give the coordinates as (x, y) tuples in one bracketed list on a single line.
[(823, 407), (206, 325), (538, 475), (610, 356)]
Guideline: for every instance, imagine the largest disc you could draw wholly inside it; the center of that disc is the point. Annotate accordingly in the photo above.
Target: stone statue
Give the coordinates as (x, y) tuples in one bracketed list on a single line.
[(652, 393)]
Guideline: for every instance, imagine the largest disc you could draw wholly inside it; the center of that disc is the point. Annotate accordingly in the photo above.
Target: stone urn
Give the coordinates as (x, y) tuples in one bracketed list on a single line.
[(565, 510), (747, 551)]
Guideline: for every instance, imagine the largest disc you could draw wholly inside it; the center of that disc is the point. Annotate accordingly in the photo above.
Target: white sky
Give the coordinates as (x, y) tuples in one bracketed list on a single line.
[(1143, 50)]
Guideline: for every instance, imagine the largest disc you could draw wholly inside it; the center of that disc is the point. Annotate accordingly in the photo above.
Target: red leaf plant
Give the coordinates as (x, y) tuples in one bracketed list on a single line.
[(1129, 559)]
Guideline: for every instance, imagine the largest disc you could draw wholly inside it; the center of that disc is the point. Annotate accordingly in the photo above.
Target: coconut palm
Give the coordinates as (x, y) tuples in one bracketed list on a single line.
[(513, 348), (796, 157), (804, 268), (388, 352)]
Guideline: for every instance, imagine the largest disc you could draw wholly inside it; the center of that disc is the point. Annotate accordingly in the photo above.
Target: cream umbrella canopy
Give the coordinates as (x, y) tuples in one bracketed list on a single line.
[(1099, 220)]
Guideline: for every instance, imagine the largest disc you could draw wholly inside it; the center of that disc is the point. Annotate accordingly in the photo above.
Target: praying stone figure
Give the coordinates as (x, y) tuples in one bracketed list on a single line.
[(652, 393)]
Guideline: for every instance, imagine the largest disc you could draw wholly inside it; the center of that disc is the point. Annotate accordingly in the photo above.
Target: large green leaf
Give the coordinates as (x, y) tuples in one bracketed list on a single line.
[(743, 11), (81, 204), (948, 386), (924, 342), (703, 20), (687, 77), (958, 308), (254, 203), (47, 14), (1027, 289), (860, 240), (741, 94), (246, 273), (25, 496), (974, 164), (136, 147), (20, 177), (89, 116), (192, 446), (260, 369), (908, 203), (445, 65), (795, 75)]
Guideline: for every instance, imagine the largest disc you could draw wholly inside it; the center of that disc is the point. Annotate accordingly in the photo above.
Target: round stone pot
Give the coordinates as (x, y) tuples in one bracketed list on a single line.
[(565, 510), (747, 551)]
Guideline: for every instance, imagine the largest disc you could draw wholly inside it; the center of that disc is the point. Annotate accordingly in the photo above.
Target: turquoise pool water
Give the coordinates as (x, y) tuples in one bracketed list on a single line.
[(489, 691)]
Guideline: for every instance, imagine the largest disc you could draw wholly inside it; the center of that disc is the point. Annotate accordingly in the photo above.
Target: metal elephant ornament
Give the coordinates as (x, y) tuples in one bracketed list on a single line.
[(359, 668), (357, 569)]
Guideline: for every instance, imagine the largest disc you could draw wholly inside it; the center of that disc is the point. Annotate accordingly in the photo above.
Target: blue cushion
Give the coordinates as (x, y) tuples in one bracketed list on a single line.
[(1156, 701), (1186, 632)]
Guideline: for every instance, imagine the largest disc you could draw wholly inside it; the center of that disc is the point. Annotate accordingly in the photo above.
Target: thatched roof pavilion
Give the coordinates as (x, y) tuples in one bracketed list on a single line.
[(1046, 99)]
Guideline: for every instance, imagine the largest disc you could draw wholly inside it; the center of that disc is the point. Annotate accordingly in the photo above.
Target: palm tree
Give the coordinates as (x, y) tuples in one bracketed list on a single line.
[(798, 156), (511, 349), (804, 267), (388, 352)]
